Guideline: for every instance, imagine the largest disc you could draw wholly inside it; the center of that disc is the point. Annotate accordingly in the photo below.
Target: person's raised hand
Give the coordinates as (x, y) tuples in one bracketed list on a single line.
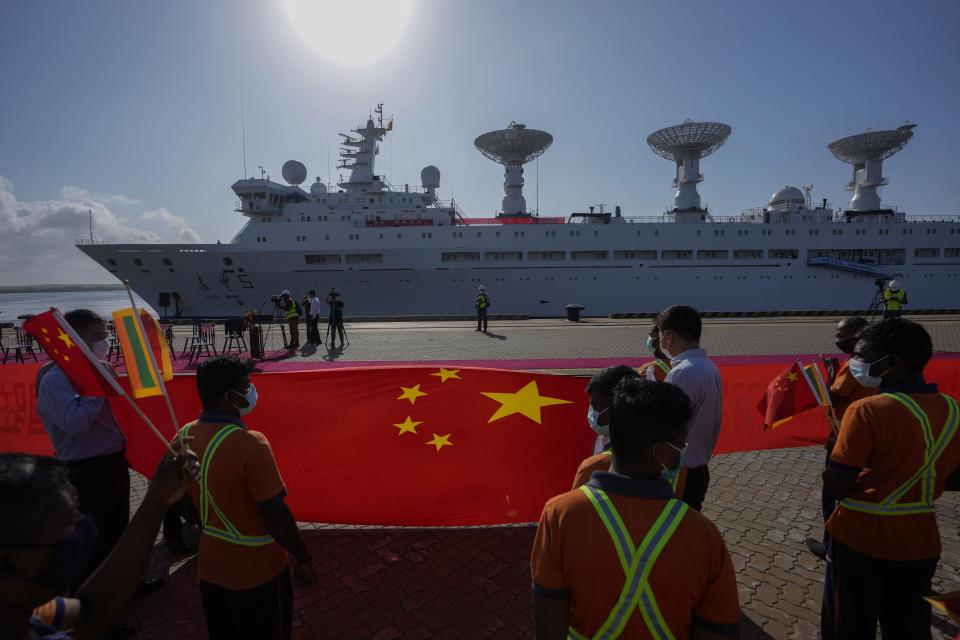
[(172, 476), (304, 572)]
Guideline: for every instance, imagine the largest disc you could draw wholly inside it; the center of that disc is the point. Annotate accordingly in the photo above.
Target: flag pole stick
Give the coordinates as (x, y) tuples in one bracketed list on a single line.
[(834, 422), (825, 403), (108, 376), (153, 361)]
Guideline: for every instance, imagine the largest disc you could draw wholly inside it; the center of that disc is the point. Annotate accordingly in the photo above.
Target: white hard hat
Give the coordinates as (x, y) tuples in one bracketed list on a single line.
[(894, 285), (285, 292), (481, 288)]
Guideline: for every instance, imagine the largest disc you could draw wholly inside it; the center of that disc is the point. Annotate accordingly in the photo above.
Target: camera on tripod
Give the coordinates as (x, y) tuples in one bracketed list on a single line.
[(880, 282)]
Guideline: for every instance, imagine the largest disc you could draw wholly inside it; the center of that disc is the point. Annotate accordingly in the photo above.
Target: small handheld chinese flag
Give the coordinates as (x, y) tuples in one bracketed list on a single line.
[(786, 396), (145, 380), (947, 603), (64, 347)]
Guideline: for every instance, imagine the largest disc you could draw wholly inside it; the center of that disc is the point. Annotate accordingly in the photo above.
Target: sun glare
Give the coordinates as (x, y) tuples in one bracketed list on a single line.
[(350, 32)]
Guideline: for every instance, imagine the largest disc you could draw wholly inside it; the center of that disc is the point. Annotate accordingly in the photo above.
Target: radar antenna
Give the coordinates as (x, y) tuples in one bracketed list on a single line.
[(513, 147), (686, 144), (866, 152)]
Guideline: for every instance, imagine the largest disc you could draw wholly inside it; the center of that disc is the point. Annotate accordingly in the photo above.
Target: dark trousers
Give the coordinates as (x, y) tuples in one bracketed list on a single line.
[(294, 324), (859, 591), (335, 326), (482, 319), (313, 329), (695, 489), (264, 612), (103, 488), (890, 313)]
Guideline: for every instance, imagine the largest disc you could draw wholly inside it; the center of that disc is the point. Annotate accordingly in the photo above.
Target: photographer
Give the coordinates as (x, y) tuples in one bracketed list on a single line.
[(335, 322), (291, 311)]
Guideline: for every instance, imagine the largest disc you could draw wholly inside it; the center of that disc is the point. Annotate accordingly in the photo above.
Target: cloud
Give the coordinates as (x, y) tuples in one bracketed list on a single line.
[(37, 238)]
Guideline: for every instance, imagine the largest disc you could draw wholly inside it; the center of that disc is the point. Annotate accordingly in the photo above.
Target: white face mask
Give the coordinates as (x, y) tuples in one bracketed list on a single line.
[(861, 371), (663, 347), (251, 398), (100, 348), (593, 419)]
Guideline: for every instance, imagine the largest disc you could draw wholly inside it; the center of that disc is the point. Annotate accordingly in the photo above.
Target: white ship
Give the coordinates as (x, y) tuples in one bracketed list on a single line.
[(401, 251)]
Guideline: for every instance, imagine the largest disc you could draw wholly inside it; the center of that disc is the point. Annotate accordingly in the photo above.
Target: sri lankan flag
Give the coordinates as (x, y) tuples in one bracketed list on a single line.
[(145, 381)]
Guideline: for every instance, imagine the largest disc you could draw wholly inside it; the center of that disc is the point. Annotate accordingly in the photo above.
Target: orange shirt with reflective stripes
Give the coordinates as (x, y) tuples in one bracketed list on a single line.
[(574, 557), (847, 387), (241, 474), (882, 438)]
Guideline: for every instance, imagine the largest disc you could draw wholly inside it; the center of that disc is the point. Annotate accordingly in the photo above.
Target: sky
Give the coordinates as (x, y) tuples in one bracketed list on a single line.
[(132, 110)]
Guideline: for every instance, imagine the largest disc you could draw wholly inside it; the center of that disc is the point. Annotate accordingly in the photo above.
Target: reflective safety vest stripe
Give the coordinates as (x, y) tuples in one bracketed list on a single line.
[(481, 302), (893, 300), (662, 365), (229, 533), (636, 564), (927, 473), (673, 483)]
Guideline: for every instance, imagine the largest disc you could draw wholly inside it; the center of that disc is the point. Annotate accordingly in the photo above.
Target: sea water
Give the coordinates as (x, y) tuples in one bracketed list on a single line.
[(13, 305)]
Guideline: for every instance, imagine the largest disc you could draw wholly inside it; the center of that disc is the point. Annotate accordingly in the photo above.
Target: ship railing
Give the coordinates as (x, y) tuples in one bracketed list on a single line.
[(517, 220), (403, 222), (405, 188), (88, 241)]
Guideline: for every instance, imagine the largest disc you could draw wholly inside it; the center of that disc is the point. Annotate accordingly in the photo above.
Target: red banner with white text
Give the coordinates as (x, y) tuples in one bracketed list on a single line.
[(421, 445)]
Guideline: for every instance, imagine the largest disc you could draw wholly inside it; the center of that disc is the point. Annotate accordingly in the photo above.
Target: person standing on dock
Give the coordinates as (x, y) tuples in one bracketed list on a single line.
[(896, 453), (313, 318), (894, 297), (335, 321), (481, 303), (292, 314), (680, 327)]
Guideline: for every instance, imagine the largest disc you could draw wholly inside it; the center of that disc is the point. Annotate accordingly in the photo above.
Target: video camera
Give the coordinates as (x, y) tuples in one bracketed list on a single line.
[(276, 298), (880, 282)]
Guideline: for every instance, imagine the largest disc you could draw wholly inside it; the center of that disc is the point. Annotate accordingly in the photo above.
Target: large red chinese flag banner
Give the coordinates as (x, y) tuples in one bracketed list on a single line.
[(412, 445)]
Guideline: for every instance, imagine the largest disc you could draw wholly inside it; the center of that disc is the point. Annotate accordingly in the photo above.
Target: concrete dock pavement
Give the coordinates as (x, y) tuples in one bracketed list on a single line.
[(392, 583)]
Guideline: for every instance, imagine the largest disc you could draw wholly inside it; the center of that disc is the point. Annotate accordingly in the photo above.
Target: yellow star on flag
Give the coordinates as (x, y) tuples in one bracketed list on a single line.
[(411, 393), (407, 426), (447, 374), (66, 339), (441, 441), (527, 401), (792, 377)]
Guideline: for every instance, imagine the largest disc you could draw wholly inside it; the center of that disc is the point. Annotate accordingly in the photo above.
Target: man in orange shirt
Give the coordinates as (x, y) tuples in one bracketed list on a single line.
[(844, 391), (621, 556), (247, 527), (892, 459), (657, 369)]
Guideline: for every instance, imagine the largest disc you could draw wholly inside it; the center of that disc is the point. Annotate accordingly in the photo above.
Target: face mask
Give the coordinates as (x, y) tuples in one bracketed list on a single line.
[(861, 371), (251, 398), (70, 557), (670, 475), (846, 346), (593, 417), (100, 348), (650, 347), (664, 349)]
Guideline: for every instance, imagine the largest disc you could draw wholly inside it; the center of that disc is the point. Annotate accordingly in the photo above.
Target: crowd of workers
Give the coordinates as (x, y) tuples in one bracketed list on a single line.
[(657, 567)]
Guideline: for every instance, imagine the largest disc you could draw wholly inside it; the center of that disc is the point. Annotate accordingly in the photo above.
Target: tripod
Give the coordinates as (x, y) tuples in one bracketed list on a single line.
[(334, 323), (876, 305)]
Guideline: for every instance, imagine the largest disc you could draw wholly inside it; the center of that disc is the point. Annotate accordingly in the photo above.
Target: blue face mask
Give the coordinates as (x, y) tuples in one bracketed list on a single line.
[(670, 475), (650, 346), (70, 558), (593, 418), (861, 371)]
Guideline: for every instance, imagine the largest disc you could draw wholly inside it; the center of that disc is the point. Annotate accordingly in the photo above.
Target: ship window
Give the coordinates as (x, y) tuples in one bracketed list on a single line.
[(712, 254), (168, 262), (589, 255), (498, 234), (138, 262), (635, 255), (926, 253), (381, 236), (783, 254), (323, 259), (228, 262), (508, 256), (399, 235), (676, 254), (952, 252), (748, 254), (546, 255), (460, 256), (357, 258)]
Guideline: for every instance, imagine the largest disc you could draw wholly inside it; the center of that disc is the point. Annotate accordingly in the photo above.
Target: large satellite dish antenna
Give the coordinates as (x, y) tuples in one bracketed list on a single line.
[(513, 147), (686, 144), (866, 152)]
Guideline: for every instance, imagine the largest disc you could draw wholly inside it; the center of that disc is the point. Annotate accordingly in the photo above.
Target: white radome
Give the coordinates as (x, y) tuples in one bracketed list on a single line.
[(294, 172), (786, 195), (430, 177), (318, 188)]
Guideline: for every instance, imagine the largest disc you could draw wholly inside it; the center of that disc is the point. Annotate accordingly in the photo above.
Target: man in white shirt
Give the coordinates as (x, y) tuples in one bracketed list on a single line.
[(695, 373), (313, 318)]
